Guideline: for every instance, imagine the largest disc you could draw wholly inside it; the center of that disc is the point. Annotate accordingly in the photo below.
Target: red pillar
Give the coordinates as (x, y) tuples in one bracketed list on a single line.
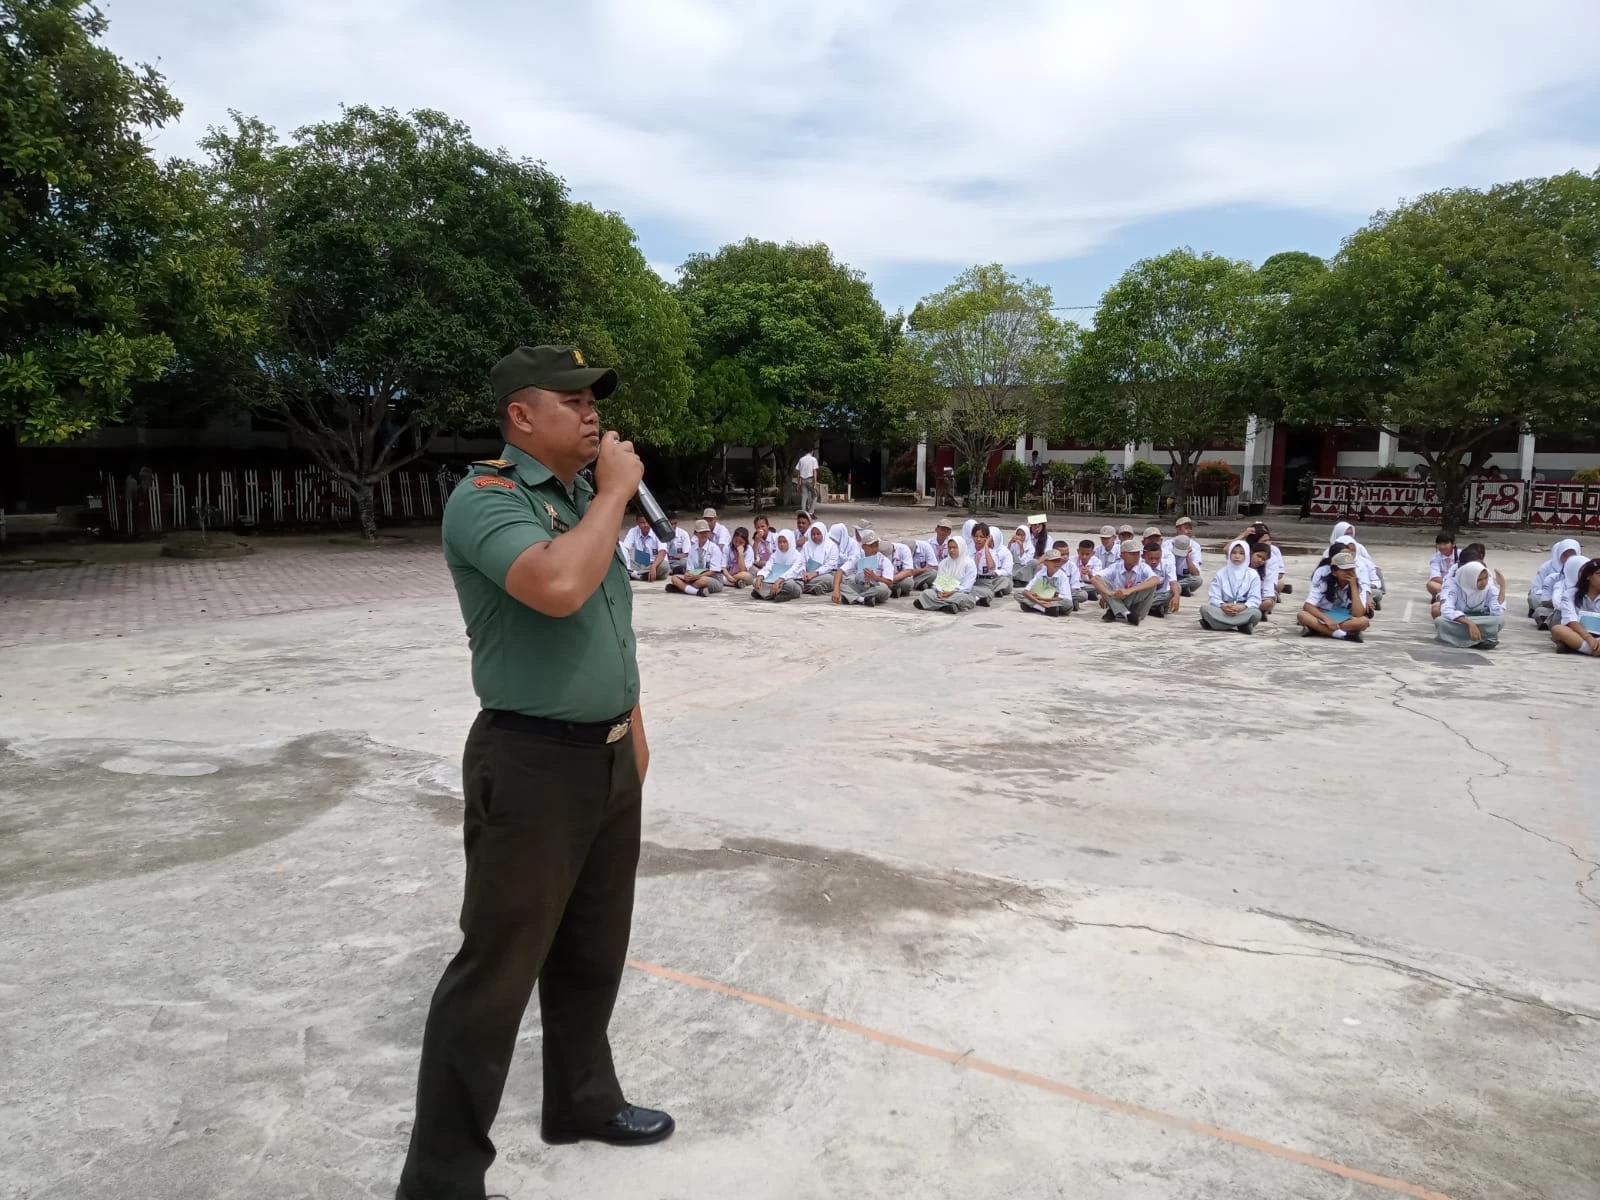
[(1280, 450), (1328, 463)]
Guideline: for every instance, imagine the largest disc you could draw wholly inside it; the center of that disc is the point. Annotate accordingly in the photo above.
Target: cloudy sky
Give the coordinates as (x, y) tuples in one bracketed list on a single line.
[(1063, 138)]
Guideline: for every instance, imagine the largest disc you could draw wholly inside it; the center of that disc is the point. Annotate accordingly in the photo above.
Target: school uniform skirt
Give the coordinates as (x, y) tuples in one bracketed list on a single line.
[(955, 602), (1212, 617), (1454, 633)]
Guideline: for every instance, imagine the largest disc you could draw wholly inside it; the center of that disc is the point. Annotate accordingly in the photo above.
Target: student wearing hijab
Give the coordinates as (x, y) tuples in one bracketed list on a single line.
[(1542, 592), (929, 554), (1165, 598), (966, 532), (1336, 606), (779, 579), (846, 546), (951, 589), (1050, 590), (903, 561), (1471, 613), (819, 560), (643, 552), (1023, 556), (1576, 628), (702, 574), (1235, 598), (867, 580), (738, 569), (1127, 588), (1369, 564)]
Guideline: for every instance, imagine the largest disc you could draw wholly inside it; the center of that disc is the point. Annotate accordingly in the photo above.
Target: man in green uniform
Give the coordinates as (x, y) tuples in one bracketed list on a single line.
[(553, 773)]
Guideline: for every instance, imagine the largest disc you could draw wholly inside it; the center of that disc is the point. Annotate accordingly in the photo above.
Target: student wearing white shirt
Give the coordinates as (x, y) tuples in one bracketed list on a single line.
[(1260, 535), (1261, 563), (1187, 558), (738, 569), (805, 473), (1472, 613), (779, 579), (1235, 598), (1050, 590), (1024, 558), (678, 548), (1166, 597), (1109, 552), (866, 580), (951, 589), (1336, 606), (1577, 626), (1127, 588), (643, 553), (1444, 561), (929, 554), (720, 534), (1542, 592), (994, 570), (702, 574), (762, 542), (1087, 564), (848, 548), (904, 562), (819, 560), (1373, 572)]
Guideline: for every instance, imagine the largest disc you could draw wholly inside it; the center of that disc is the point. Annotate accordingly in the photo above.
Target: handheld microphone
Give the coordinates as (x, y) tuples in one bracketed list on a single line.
[(653, 512)]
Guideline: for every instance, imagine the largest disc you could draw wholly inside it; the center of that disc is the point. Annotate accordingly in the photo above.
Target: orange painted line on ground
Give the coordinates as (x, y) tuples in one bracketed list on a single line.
[(1298, 1157)]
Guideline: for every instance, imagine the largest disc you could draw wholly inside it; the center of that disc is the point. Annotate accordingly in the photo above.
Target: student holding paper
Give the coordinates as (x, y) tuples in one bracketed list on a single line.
[(1577, 626), (1050, 590), (994, 575), (780, 578), (867, 580), (951, 589), (819, 560), (702, 574), (642, 551), (929, 554)]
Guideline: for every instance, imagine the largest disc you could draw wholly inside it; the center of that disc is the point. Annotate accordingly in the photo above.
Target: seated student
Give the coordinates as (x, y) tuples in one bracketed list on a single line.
[(867, 580), (1087, 564), (678, 548), (1374, 574), (819, 560), (1260, 535), (1235, 598), (779, 579), (1127, 588), (903, 561), (1261, 564), (1186, 557), (762, 542), (1040, 540), (1444, 561), (1336, 606), (738, 569), (643, 552), (1109, 552), (845, 545), (951, 589), (1363, 570), (1023, 556), (1167, 594), (994, 571), (1472, 612), (702, 574), (929, 554), (802, 529), (720, 534), (1050, 590), (1542, 592), (1576, 628)]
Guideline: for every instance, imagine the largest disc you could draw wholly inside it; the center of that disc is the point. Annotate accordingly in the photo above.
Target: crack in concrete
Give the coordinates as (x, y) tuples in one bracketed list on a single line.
[(1354, 958), (1505, 769)]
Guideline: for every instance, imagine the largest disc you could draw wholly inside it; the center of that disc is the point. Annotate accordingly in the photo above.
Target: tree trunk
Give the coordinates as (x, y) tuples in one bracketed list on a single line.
[(366, 511), (1450, 479)]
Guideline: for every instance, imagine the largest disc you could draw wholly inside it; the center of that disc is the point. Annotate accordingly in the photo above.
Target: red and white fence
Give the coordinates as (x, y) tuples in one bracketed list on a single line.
[(1490, 502), (307, 497)]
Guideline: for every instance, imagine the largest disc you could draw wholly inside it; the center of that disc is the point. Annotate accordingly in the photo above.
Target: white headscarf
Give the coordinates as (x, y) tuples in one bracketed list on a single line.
[(1473, 597), (961, 548), (966, 530), (1561, 548), (1346, 530), (1234, 578), (841, 536), (1569, 577), (782, 560)]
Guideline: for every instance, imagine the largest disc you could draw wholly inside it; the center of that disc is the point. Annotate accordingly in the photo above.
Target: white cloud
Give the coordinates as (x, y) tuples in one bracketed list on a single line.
[(923, 130)]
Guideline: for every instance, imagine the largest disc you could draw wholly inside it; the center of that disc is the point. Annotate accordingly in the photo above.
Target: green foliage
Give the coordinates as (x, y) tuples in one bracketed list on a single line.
[(1586, 475), (622, 315), (982, 361), (107, 259), (1285, 273), (1011, 476), (1144, 480), (1216, 478), (1094, 471), (1390, 471), (963, 479), (1460, 316), (830, 481), (1171, 357), (1061, 473)]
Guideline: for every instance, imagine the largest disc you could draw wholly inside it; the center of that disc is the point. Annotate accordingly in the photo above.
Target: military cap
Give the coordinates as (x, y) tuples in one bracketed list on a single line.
[(553, 368)]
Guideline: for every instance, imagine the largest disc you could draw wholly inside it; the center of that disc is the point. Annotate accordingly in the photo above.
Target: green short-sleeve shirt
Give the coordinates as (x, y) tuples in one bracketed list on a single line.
[(582, 667)]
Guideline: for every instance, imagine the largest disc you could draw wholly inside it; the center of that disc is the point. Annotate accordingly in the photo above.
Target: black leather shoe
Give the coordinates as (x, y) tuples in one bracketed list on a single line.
[(633, 1126)]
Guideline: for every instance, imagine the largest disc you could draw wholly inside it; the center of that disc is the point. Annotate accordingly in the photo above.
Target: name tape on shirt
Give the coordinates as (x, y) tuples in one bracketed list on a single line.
[(493, 481)]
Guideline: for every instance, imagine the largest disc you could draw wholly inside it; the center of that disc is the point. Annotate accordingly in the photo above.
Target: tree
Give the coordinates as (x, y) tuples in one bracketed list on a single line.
[(1170, 359), (1463, 315), (622, 315), (805, 332), (983, 361), (401, 259), (108, 257), (1287, 271)]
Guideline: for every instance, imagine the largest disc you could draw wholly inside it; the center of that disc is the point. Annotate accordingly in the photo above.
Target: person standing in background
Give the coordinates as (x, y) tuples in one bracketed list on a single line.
[(805, 473)]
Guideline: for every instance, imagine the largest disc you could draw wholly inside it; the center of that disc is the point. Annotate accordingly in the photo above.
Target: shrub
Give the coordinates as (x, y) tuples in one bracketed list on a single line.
[(1144, 480), (1391, 471), (1094, 471), (768, 478), (963, 479), (1061, 474), (1216, 477), (830, 481), (903, 471), (1586, 475), (1011, 476)]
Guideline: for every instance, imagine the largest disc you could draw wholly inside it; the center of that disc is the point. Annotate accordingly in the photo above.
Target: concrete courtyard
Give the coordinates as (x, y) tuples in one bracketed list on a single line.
[(979, 906)]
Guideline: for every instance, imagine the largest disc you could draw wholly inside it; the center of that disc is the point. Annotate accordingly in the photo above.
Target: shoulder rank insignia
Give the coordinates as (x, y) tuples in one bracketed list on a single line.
[(556, 522), (500, 481), (497, 463)]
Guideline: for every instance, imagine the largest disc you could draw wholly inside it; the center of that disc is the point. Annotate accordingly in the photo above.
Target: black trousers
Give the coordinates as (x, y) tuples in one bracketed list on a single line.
[(551, 833)]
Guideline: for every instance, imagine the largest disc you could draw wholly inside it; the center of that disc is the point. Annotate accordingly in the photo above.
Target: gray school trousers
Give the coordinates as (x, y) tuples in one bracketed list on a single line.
[(1028, 602), (987, 587), (875, 593), (903, 587), (788, 589), (1138, 607), (1454, 633), (1189, 584), (956, 602), (822, 585), (711, 585), (1212, 617), (924, 579)]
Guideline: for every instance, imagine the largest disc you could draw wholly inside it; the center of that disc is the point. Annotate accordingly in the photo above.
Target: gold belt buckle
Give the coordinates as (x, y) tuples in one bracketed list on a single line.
[(619, 731)]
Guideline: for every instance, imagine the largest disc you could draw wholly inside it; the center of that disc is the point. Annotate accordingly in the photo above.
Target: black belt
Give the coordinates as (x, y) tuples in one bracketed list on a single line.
[(587, 733)]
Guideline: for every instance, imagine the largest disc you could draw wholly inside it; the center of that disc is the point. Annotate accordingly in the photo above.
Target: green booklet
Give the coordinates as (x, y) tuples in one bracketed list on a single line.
[(1044, 588), (945, 583)]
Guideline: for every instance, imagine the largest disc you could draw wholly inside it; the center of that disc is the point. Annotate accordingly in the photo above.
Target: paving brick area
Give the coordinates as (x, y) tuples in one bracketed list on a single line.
[(106, 599)]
